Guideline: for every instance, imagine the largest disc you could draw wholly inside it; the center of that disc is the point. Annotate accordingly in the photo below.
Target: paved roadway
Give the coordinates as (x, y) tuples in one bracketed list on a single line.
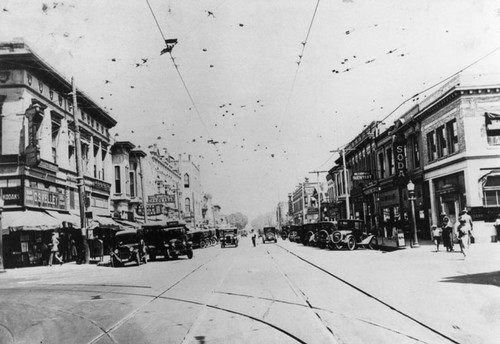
[(284, 293)]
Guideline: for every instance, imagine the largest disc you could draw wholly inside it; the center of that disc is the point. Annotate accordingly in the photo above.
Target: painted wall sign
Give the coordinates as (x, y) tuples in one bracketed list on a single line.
[(44, 199)]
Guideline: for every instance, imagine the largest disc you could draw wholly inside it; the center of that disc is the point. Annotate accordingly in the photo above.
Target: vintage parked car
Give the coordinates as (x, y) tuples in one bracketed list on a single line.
[(128, 248), (352, 234), (168, 239), (228, 237), (324, 231), (310, 237), (269, 234)]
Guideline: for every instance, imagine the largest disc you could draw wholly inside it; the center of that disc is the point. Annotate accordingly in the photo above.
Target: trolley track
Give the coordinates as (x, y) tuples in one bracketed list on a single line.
[(369, 295)]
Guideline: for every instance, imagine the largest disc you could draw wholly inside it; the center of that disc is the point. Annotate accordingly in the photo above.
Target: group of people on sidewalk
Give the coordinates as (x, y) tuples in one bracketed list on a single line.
[(53, 247), (446, 234)]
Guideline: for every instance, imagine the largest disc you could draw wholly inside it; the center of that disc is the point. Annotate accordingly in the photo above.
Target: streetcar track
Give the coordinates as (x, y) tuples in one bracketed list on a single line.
[(304, 298), (366, 293)]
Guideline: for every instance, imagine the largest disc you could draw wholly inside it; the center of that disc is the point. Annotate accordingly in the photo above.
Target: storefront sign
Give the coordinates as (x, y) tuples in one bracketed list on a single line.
[(362, 175), (152, 209), (32, 156), (12, 196), (44, 199), (160, 198)]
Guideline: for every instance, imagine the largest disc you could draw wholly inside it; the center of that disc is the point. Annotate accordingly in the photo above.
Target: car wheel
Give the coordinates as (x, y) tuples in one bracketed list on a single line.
[(336, 237), (351, 243), (373, 244), (203, 244), (214, 241), (190, 254)]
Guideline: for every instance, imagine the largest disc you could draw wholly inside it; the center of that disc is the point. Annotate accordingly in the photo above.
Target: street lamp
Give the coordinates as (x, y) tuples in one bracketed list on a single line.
[(1, 233), (411, 198)]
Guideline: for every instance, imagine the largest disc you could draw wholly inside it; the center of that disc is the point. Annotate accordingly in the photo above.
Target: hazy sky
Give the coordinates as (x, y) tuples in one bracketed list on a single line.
[(275, 120)]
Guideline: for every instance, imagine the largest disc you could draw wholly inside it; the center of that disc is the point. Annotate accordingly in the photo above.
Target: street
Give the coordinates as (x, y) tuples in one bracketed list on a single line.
[(273, 293)]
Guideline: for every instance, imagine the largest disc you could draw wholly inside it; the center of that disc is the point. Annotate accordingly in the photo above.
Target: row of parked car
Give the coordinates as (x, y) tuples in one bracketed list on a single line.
[(344, 233), (166, 239)]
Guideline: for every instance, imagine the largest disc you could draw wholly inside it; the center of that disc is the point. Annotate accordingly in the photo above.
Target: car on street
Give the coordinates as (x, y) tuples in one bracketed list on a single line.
[(269, 234), (168, 239), (310, 231), (228, 237), (128, 248), (324, 231), (351, 234)]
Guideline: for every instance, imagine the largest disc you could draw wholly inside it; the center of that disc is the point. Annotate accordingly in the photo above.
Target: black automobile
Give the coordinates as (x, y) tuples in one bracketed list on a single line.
[(128, 248), (352, 234), (168, 239), (293, 234), (310, 232), (269, 234), (324, 230), (228, 237)]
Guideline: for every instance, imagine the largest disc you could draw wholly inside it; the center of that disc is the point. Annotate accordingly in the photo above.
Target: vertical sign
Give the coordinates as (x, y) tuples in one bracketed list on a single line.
[(400, 159)]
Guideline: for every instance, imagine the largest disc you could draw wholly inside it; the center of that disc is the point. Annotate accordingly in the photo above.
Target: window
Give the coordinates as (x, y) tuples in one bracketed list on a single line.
[(493, 128), (186, 180), (132, 184), (442, 149), (491, 191), (118, 182), (390, 162), (431, 146), (381, 165), (187, 205), (416, 153), (452, 136)]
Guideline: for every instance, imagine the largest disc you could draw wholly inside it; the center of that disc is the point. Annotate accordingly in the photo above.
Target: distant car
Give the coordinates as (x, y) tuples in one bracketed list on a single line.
[(269, 234), (228, 237), (168, 239), (352, 234), (127, 249)]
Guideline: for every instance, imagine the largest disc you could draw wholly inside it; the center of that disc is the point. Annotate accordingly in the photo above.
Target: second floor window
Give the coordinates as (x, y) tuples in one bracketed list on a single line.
[(442, 147), (431, 146), (118, 181), (187, 205), (390, 162), (493, 128), (381, 165), (416, 153), (186, 180), (132, 184)]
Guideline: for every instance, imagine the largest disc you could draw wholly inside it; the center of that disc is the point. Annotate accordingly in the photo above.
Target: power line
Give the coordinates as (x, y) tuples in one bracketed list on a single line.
[(440, 82)]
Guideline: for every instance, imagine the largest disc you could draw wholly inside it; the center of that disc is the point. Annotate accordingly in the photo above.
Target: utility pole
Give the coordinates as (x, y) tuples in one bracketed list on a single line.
[(347, 195), (319, 192), (80, 177), (143, 190)]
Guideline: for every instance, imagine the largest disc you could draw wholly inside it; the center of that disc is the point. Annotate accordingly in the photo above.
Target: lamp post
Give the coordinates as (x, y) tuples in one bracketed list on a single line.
[(411, 198), (1, 233)]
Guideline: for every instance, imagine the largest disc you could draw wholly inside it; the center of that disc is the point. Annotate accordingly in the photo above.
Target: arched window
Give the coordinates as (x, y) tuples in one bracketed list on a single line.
[(186, 180), (187, 205)]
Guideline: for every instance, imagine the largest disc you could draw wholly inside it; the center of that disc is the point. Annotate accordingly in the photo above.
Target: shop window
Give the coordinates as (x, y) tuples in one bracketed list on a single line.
[(491, 191), (493, 128), (187, 205), (431, 146), (186, 180), (118, 181)]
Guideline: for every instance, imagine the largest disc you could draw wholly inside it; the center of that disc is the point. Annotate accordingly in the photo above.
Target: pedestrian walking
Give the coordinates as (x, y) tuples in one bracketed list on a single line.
[(469, 226), (497, 228), (73, 250), (254, 238), (447, 234), (54, 250), (463, 234), (436, 234)]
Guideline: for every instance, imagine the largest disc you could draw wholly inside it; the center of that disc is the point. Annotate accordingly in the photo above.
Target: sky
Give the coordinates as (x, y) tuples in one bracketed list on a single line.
[(278, 84)]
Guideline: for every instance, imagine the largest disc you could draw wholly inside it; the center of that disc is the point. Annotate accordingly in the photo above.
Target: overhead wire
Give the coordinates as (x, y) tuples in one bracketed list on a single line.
[(182, 78)]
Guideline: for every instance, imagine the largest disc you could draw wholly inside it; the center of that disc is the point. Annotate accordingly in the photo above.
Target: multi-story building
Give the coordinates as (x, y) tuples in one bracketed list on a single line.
[(191, 194), (127, 189), (38, 176), (305, 205), (162, 185)]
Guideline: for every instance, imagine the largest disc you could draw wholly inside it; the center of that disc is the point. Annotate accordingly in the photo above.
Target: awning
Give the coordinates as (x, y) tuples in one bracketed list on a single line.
[(65, 217), (28, 220), (128, 223), (103, 221)]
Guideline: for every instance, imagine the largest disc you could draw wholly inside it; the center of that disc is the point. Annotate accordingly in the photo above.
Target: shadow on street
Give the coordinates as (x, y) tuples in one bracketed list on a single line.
[(487, 278)]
